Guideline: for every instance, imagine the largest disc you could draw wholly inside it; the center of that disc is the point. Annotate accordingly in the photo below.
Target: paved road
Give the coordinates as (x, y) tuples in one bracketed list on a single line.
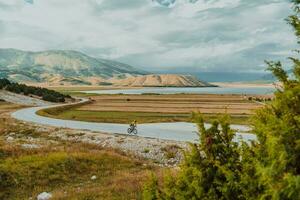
[(179, 131)]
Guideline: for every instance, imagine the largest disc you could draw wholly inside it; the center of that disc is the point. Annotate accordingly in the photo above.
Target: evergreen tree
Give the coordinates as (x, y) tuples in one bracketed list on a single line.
[(217, 168), (211, 169), (278, 129)]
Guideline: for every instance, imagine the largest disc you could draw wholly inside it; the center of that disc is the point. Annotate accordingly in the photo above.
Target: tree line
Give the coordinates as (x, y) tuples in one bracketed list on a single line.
[(43, 93), (220, 168)]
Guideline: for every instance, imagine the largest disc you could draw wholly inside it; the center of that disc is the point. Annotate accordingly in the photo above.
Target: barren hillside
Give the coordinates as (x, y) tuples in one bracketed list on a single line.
[(162, 80)]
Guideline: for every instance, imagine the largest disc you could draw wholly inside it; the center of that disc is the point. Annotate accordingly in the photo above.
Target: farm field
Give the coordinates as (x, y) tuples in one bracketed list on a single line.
[(159, 108)]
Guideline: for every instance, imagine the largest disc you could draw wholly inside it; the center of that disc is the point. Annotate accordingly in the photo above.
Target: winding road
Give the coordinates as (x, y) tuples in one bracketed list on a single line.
[(179, 131)]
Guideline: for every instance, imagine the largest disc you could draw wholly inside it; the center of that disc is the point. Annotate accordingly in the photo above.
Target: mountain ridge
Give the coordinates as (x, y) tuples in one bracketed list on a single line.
[(44, 66), (69, 67)]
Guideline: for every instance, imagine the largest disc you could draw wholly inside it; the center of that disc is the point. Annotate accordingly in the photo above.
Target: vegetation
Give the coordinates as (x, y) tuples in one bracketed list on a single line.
[(128, 117), (31, 173), (64, 168), (45, 94), (211, 170), (219, 168)]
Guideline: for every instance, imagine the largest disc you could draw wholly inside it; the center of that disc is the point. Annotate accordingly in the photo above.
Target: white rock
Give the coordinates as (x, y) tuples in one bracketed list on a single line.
[(9, 139), (44, 196), (94, 177), (30, 146)]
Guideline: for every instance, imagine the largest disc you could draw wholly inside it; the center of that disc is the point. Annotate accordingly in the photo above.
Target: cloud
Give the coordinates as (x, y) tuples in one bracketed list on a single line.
[(29, 1), (203, 34)]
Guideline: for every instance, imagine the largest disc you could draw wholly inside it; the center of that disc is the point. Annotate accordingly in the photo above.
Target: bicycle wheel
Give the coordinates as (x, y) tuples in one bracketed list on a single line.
[(129, 130), (134, 131)]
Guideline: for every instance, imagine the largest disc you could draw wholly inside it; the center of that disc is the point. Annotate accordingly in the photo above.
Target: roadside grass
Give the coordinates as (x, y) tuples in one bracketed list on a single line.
[(128, 117), (5, 106), (66, 172), (65, 168), (171, 151), (78, 94)]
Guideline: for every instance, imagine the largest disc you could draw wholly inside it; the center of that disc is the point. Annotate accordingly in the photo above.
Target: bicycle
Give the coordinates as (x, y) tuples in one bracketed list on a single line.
[(132, 130)]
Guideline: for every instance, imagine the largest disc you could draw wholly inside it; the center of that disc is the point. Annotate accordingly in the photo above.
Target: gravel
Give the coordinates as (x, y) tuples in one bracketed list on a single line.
[(157, 150)]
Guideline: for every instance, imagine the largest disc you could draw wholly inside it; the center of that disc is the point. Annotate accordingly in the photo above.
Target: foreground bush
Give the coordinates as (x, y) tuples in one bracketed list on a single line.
[(216, 168)]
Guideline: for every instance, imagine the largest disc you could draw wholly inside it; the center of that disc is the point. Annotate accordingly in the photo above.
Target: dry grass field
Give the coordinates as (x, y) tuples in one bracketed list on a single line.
[(208, 104), (158, 108), (6, 107), (63, 168)]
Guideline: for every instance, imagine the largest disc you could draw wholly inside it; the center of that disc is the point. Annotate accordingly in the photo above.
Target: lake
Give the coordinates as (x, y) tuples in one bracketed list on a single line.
[(188, 90)]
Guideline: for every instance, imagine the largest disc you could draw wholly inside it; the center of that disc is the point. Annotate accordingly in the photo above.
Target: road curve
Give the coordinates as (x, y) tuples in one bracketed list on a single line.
[(179, 131)]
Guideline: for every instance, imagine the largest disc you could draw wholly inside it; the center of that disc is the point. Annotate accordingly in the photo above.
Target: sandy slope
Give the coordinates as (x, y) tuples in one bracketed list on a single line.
[(160, 80)]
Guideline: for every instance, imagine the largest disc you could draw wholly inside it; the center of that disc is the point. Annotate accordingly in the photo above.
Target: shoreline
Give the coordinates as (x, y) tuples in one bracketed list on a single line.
[(245, 85), (116, 87)]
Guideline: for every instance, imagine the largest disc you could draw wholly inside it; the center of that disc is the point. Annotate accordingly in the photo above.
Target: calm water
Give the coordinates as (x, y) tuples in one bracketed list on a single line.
[(202, 90)]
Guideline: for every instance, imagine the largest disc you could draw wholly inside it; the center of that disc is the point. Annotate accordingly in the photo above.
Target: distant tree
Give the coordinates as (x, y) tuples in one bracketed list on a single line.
[(45, 94), (4, 82)]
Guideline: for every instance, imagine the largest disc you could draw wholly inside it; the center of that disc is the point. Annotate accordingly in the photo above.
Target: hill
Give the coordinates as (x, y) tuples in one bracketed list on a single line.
[(162, 80), (60, 67)]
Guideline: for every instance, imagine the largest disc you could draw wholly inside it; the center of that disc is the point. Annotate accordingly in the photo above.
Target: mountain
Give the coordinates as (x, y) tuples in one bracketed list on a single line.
[(221, 76), (162, 80), (60, 67)]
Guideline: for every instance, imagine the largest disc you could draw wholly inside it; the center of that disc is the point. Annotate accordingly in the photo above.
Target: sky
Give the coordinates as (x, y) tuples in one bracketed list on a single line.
[(194, 35)]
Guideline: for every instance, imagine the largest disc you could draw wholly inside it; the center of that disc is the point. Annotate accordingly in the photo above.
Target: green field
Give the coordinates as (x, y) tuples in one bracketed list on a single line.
[(128, 117)]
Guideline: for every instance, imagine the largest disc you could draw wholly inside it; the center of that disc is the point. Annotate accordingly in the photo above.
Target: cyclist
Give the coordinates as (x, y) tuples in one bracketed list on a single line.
[(133, 124), (132, 128)]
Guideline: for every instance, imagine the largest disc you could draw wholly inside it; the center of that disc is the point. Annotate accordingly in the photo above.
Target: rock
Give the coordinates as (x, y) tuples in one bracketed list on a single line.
[(9, 139), (44, 196), (30, 146), (12, 134), (94, 177)]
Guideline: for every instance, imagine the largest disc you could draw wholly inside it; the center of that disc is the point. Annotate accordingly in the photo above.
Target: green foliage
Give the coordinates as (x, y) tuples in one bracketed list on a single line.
[(4, 82), (211, 169), (278, 129), (45, 94), (150, 190), (218, 168)]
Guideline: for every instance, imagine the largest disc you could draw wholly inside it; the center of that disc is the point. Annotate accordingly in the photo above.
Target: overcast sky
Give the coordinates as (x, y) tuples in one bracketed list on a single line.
[(204, 35)]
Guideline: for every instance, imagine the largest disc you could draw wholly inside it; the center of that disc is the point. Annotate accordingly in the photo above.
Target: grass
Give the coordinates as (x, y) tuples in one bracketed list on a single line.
[(65, 168), (5, 107), (171, 151), (150, 108), (128, 117), (59, 171)]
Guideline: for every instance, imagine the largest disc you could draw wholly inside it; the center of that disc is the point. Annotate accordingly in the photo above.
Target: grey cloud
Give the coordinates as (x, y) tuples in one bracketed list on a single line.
[(166, 3), (224, 35), (29, 1)]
